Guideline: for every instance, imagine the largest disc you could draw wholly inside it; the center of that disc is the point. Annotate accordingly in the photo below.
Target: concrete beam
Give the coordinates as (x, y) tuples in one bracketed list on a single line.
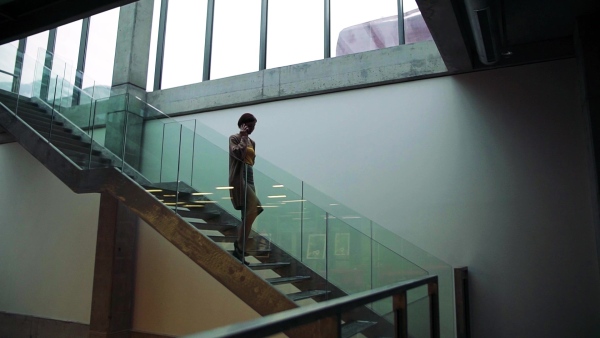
[(442, 20), (390, 65), (6, 137)]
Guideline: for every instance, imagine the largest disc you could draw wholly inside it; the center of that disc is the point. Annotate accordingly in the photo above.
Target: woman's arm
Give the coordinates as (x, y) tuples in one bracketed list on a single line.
[(237, 146)]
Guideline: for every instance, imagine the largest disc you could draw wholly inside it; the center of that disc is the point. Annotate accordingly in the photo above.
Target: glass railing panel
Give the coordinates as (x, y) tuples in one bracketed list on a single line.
[(81, 115), (431, 264), (210, 176), (108, 127), (8, 57), (9, 76), (5, 81), (187, 147), (281, 219), (314, 238), (170, 151), (418, 313), (349, 262), (389, 267), (337, 209)]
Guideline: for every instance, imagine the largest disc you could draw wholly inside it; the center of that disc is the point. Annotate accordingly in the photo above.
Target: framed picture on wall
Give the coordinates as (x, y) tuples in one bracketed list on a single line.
[(342, 244), (316, 246)]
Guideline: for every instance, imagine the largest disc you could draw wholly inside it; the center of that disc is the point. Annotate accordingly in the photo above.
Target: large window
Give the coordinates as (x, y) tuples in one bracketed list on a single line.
[(66, 50), (236, 37), (184, 43), (32, 72), (100, 55), (359, 26), (295, 32), (8, 55)]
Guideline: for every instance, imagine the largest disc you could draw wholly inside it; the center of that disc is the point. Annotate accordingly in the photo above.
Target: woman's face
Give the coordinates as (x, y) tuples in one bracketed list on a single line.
[(251, 126)]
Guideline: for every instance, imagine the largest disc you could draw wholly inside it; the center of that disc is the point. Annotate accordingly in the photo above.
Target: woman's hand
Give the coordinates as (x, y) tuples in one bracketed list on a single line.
[(244, 130)]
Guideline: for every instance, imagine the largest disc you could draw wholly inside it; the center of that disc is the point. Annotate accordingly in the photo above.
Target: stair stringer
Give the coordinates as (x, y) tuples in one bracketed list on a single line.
[(239, 279)]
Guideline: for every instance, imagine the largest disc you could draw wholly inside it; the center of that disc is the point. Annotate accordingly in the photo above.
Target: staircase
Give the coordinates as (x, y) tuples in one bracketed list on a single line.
[(39, 117), (197, 227)]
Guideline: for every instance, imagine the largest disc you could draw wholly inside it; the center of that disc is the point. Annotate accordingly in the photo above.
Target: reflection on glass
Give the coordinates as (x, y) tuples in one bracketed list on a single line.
[(418, 313), (415, 29), (359, 26), (349, 257), (281, 220), (295, 32), (67, 47), (236, 37), (184, 42), (153, 46), (100, 55), (34, 43), (8, 54)]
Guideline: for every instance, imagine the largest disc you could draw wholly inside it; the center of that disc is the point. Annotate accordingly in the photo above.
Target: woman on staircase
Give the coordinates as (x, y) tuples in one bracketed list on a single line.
[(243, 195)]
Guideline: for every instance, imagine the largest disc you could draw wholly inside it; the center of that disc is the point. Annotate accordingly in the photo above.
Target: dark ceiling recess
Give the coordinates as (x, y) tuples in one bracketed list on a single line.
[(479, 34), (21, 18)]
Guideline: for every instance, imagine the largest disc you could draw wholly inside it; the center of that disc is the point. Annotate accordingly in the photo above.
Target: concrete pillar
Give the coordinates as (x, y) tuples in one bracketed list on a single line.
[(125, 125), (133, 48), (588, 58), (112, 294)]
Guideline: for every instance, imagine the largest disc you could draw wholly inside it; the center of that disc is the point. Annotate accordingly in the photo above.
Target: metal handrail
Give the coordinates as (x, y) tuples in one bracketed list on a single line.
[(7, 73), (279, 322)]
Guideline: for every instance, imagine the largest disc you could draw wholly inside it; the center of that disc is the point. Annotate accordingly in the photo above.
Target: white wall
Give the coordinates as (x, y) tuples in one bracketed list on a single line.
[(486, 170), (47, 241), (174, 296), (47, 249)]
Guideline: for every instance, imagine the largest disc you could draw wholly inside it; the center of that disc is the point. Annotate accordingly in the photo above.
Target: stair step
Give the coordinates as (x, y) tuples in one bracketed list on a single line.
[(223, 239), (39, 115), (62, 137), (353, 328), (11, 103), (44, 124), (268, 266), (213, 226), (287, 280), (78, 147), (296, 296), (74, 155)]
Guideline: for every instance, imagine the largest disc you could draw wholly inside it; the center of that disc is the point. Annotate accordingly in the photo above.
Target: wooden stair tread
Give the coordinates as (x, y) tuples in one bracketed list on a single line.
[(355, 327), (286, 280), (267, 266), (306, 294)]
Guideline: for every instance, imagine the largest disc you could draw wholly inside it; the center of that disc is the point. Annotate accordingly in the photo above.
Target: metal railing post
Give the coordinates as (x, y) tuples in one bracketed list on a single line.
[(400, 315), (434, 309)]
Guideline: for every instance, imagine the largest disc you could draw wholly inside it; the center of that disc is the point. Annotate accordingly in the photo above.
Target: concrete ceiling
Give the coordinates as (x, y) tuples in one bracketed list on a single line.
[(528, 30), (21, 18)]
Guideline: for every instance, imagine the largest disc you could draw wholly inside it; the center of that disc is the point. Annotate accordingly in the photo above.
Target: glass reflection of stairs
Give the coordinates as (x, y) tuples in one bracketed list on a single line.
[(281, 270)]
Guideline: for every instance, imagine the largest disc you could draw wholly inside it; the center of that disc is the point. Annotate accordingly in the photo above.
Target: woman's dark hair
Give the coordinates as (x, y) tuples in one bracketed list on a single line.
[(245, 118)]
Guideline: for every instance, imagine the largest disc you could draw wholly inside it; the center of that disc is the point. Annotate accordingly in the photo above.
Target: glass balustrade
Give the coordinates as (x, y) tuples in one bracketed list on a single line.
[(189, 162)]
